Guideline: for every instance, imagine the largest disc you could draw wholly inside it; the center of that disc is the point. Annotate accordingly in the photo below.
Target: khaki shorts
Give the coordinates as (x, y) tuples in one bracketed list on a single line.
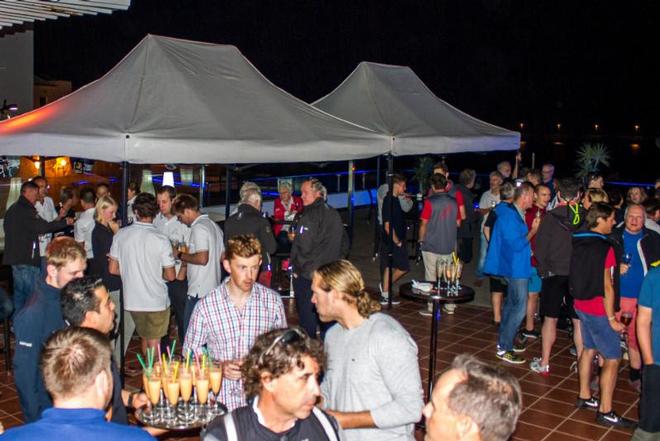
[(151, 324)]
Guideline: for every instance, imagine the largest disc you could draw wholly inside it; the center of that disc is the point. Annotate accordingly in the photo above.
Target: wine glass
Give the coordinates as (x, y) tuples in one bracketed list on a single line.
[(202, 386), (459, 273)]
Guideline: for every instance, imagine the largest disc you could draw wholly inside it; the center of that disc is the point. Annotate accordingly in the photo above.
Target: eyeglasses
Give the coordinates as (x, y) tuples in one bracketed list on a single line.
[(290, 336)]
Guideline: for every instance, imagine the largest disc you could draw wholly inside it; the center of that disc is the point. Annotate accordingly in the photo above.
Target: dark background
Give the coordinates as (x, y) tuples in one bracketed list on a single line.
[(537, 62)]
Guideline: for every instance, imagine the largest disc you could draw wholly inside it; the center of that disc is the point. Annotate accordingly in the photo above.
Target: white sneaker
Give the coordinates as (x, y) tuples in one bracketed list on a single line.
[(449, 308), (537, 367)]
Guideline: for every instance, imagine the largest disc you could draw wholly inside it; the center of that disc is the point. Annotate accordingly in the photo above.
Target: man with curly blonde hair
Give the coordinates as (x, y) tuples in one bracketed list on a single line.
[(372, 384), (281, 374)]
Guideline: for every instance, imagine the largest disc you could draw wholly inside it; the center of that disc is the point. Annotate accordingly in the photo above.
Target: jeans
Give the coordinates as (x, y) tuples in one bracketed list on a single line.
[(513, 312), (25, 278), (190, 307), (6, 306), (483, 249)]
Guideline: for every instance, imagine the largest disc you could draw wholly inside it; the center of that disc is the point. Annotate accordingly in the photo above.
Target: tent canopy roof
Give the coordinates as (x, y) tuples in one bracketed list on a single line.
[(179, 101), (394, 101)]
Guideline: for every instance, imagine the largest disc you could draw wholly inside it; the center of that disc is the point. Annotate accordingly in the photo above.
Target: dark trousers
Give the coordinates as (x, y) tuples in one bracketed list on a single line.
[(307, 315), (465, 249), (649, 411), (177, 290), (188, 311)]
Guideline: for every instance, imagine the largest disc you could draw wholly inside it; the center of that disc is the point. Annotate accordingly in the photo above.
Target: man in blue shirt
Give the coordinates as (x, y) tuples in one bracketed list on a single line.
[(39, 318), (648, 336), (639, 247), (76, 371)]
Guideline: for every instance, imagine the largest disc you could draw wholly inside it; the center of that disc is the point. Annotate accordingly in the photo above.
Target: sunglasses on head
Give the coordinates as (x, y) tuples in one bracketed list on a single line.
[(289, 336)]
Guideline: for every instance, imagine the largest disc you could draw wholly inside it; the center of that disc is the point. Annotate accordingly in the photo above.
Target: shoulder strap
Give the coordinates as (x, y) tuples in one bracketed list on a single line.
[(230, 427), (325, 422)]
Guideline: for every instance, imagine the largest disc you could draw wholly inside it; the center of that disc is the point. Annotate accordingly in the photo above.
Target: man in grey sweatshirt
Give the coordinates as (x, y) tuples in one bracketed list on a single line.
[(372, 384)]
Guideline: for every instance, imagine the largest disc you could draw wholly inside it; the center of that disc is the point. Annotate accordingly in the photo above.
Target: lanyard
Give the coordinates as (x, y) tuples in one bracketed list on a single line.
[(576, 213)]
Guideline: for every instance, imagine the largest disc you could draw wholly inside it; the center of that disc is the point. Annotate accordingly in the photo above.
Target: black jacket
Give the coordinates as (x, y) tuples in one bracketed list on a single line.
[(553, 244), (320, 238), (22, 229), (648, 246), (586, 279), (249, 220)]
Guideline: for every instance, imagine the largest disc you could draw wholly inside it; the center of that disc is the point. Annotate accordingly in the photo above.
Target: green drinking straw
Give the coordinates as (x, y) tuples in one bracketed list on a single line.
[(173, 346), (139, 357)]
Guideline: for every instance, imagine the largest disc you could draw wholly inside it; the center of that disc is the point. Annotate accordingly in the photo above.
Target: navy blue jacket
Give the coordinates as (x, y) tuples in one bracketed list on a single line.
[(33, 324)]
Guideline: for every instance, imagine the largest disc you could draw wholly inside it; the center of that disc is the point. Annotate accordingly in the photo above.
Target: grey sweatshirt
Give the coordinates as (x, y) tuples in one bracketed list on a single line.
[(374, 367)]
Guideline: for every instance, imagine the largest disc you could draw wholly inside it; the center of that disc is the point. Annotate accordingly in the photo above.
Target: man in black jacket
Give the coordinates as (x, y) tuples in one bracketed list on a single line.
[(319, 238), (22, 229), (249, 220), (553, 254), (281, 375)]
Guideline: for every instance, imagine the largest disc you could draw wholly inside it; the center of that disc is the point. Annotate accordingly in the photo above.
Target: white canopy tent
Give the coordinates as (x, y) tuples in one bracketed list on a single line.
[(392, 100), (178, 101)]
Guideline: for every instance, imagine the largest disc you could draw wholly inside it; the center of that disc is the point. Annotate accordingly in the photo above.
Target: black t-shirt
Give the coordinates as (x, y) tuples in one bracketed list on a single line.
[(396, 217)]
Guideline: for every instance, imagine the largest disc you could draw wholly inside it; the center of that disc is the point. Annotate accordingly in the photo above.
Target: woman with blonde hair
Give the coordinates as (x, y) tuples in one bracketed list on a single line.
[(636, 195), (105, 228), (593, 195)]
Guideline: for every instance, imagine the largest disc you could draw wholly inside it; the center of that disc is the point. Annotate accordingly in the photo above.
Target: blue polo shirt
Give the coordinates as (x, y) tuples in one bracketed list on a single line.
[(649, 297), (75, 425), (631, 281)]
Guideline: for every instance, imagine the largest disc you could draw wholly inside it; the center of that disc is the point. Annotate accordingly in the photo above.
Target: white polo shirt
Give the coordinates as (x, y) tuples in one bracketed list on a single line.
[(47, 212), (174, 230), (142, 253), (205, 235), (82, 229)]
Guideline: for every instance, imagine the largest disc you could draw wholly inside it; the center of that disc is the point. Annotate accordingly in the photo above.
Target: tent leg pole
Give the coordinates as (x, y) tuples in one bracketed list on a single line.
[(202, 184), (227, 192), (349, 204), (390, 248), (376, 224), (124, 221)]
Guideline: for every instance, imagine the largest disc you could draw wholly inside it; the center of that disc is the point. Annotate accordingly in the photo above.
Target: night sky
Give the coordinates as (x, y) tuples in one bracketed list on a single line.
[(540, 62)]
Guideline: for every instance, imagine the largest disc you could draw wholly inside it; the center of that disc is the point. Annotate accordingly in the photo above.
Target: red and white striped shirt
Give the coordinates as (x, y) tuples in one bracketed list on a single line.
[(229, 333)]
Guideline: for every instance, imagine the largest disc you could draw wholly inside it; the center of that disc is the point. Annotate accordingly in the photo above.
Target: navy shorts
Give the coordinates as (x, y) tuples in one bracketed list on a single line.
[(400, 258), (598, 334)]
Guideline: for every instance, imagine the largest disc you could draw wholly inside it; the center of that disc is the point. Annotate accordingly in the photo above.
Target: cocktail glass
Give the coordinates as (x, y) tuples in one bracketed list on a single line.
[(215, 379)]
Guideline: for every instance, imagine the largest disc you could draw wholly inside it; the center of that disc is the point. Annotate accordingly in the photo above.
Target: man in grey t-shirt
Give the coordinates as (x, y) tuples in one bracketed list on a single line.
[(372, 384)]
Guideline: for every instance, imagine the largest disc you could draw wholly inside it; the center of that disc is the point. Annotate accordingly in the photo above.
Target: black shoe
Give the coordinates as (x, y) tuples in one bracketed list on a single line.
[(612, 419), (591, 403), (530, 334)]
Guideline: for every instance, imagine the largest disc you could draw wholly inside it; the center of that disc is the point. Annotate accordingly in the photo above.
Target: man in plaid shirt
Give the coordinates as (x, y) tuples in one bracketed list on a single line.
[(232, 316)]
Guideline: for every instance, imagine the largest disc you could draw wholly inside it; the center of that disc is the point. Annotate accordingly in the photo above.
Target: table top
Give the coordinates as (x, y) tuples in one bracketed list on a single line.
[(464, 295)]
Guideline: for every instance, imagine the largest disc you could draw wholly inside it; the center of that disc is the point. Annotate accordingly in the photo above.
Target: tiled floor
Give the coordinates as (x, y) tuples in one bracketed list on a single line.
[(549, 413)]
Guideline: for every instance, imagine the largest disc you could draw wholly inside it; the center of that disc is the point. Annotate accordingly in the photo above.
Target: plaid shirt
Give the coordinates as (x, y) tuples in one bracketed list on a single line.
[(229, 333)]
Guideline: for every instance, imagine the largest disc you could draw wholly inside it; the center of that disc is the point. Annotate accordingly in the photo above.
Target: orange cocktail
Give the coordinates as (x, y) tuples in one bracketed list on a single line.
[(215, 376)]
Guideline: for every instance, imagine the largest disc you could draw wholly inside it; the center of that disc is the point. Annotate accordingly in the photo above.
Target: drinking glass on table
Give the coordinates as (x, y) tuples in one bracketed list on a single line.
[(186, 387), (215, 378)]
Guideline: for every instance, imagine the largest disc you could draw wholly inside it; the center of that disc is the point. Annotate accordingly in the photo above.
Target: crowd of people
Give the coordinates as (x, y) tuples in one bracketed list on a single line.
[(549, 247)]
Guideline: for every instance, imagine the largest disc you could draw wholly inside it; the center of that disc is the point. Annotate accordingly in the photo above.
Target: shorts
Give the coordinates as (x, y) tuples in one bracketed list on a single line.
[(629, 304), (554, 296), (534, 284), (598, 334), (400, 258), (151, 324), (498, 284)]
